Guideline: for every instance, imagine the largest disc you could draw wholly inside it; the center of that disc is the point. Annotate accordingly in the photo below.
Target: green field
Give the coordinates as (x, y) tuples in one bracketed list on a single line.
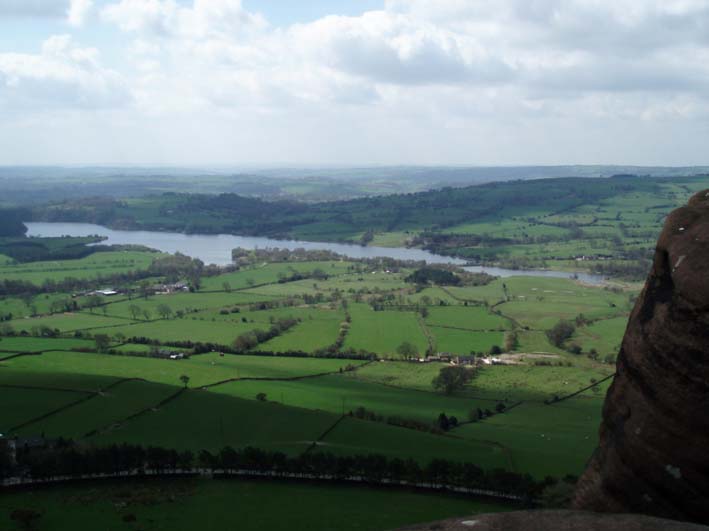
[(205, 420), (22, 405), (185, 504), (383, 332), (94, 265), (101, 411), (374, 310), (203, 369), (340, 393), (541, 447)]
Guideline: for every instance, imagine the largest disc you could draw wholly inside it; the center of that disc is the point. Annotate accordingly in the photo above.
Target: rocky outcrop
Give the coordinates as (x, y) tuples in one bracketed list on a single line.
[(653, 456), (557, 521)]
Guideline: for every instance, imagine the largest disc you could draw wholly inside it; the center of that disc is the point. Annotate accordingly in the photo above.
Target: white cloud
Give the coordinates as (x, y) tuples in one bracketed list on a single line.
[(202, 19), (79, 11), (63, 75), (453, 80)]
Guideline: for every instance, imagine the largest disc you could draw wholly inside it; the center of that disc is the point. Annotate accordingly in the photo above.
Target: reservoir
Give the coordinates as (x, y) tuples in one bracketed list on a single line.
[(216, 248)]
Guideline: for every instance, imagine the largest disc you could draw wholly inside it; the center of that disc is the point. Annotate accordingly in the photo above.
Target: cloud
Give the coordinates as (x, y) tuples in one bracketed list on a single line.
[(450, 79), (63, 75), (78, 12), (168, 18)]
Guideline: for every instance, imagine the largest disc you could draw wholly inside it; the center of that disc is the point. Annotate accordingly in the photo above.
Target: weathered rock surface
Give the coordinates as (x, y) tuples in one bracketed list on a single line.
[(653, 456), (558, 521)]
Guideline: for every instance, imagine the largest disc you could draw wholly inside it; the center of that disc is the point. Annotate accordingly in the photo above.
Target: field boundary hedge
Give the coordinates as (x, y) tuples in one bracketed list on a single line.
[(90, 395), (556, 399)]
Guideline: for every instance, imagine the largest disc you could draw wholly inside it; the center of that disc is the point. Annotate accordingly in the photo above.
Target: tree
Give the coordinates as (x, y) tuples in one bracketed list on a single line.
[(560, 332), (164, 311), (226, 286), (495, 350), (102, 342), (451, 379), (94, 301), (407, 350), (511, 341), (185, 380), (442, 422), (146, 314), (261, 397), (135, 311)]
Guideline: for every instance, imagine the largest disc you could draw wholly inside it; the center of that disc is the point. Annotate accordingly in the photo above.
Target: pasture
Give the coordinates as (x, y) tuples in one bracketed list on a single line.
[(306, 396), (187, 504)]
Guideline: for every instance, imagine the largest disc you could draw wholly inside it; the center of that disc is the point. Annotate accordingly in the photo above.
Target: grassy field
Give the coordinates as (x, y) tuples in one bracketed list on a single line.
[(354, 437), (544, 440), (101, 411), (202, 370), (94, 265), (22, 405), (186, 504), (205, 420), (383, 332), (298, 410), (340, 393)]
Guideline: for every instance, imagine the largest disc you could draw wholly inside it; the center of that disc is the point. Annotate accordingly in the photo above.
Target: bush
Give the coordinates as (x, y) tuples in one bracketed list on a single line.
[(560, 332)]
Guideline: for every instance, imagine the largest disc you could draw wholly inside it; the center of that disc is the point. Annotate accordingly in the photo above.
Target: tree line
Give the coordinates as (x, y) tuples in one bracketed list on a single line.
[(66, 458)]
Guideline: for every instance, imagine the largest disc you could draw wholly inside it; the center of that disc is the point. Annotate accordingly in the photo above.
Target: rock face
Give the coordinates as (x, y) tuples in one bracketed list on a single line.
[(557, 521), (653, 456)]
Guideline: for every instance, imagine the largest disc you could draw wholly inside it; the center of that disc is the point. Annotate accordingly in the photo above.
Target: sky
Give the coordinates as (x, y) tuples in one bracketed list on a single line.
[(354, 82)]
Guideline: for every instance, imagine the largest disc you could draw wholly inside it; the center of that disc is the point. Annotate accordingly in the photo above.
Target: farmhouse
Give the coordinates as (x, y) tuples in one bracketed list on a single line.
[(167, 289), (107, 292)]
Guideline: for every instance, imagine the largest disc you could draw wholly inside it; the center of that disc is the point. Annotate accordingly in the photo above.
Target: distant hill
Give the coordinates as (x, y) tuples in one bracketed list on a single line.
[(34, 185)]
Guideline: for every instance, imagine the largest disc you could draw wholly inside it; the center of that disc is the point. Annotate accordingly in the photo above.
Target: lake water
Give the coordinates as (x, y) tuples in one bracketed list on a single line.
[(216, 248)]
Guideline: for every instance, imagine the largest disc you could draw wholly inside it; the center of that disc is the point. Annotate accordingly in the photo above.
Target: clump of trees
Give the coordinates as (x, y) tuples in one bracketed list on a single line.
[(433, 275), (251, 339), (407, 350), (560, 332), (452, 378)]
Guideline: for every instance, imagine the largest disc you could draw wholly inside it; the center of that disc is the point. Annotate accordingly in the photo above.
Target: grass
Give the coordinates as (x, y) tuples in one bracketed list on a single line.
[(22, 405), (202, 370), (544, 440), (36, 344), (67, 322), (384, 331), (172, 330), (340, 393), (464, 342), (529, 382), (17, 376), (203, 420), (101, 411), (307, 336), (185, 302), (604, 335), (466, 317), (94, 265), (399, 374), (355, 437), (186, 504), (270, 274)]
